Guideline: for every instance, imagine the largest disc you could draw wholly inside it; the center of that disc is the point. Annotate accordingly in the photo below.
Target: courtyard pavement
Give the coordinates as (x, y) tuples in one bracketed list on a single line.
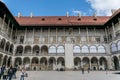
[(70, 75)]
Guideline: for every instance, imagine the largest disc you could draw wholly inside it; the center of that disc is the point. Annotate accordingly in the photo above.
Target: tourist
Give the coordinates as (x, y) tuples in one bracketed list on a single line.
[(82, 70), (5, 73), (88, 69), (22, 74), (10, 72)]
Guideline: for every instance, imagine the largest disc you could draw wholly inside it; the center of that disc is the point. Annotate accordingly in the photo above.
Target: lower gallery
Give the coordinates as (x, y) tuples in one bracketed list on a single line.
[(60, 42)]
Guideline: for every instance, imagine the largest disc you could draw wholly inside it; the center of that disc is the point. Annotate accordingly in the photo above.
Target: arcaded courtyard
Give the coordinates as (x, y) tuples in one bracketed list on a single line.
[(70, 75)]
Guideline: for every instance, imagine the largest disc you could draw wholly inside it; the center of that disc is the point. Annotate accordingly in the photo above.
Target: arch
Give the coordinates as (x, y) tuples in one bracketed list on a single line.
[(113, 47), (94, 63), (36, 49), (44, 50), (52, 60), (93, 49), (11, 48), (118, 45), (9, 61), (5, 59), (116, 63), (43, 61), (7, 46), (60, 49), (26, 62), (61, 61), (101, 49), (52, 63), (18, 61), (85, 63), (77, 61), (52, 49), (27, 50), (35, 63), (19, 50), (76, 49), (2, 43), (85, 49), (103, 63)]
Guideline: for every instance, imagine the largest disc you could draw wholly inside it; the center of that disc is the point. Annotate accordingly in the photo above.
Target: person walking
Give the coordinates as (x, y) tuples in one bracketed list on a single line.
[(82, 70), (10, 72), (88, 69), (22, 74), (5, 73)]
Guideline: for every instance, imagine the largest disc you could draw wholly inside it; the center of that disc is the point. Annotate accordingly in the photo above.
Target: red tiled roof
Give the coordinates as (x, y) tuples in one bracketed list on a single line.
[(61, 20)]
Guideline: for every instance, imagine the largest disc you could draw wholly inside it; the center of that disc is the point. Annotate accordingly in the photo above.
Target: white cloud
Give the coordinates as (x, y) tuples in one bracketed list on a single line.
[(104, 7)]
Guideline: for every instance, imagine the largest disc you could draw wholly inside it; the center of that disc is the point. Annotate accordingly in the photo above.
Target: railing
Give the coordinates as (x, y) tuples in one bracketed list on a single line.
[(90, 54), (48, 54)]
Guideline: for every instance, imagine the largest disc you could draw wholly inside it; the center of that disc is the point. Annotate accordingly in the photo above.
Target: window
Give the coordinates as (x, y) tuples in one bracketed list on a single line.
[(101, 49), (93, 49), (52, 49), (85, 49), (118, 44), (113, 47), (76, 49), (98, 39), (60, 49)]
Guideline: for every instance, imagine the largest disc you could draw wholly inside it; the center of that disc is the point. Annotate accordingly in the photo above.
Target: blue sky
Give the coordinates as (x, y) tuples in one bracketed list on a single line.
[(58, 7)]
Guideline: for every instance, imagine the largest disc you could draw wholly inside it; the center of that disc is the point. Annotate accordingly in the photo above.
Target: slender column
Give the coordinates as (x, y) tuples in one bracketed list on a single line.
[(25, 36), (56, 35), (95, 34), (6, 61), (106, 34), (16, 35), (90, 64), (3, 22), (48, 35), (81, 64), (2, 61), (9, 49), (23, 50), (11, 32), (4, 47), (33, 35), (41, 36), (98, 65), (113, 27), (87, 35), (8, 26)]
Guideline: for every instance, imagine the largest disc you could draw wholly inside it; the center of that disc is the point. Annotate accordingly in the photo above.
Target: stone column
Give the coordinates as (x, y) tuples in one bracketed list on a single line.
[(87, 35), (33, 35), (8, 26), (90, 64), (25, 36), (98, 65), (56, 35), (114, 34), (3, 22), (106, 34), (11, 32)]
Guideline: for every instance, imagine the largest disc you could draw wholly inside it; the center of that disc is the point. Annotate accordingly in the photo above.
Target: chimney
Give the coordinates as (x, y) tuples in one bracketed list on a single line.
[(67, 14), (31, 14), (19, 14), (95, 16), (79, 15), (113, 11)]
